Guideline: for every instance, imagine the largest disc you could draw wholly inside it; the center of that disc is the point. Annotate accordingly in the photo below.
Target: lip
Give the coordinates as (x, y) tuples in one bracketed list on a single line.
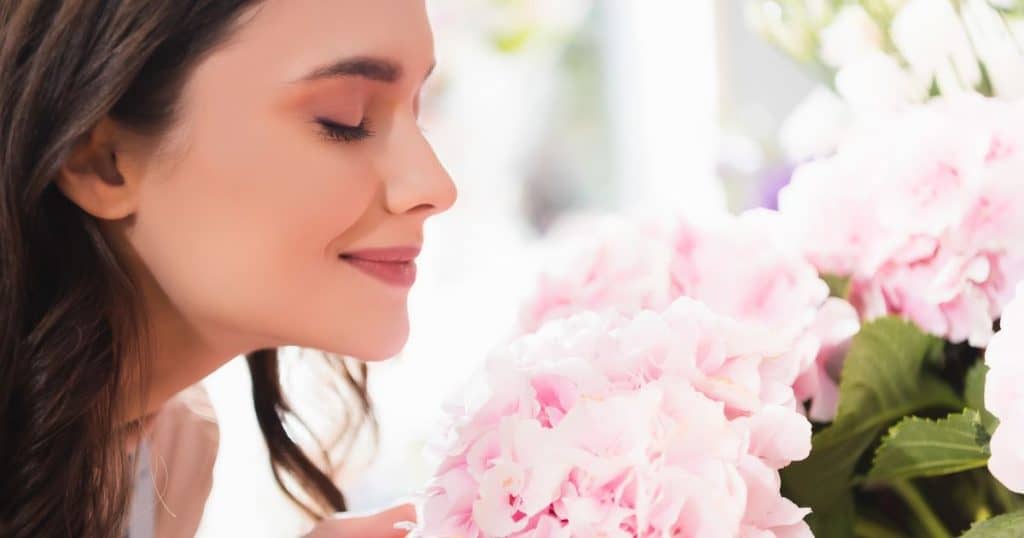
[(395, 265)]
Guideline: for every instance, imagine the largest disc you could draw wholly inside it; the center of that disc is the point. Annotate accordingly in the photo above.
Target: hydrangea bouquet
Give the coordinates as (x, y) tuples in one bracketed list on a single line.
[(820, 368), (851, 364)]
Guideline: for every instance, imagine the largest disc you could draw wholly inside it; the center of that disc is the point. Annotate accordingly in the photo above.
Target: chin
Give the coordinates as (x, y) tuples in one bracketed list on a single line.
[(376, 346), (378, 355)]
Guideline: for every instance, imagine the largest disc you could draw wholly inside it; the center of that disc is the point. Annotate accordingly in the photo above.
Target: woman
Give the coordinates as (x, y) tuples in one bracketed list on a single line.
[(185, 181)]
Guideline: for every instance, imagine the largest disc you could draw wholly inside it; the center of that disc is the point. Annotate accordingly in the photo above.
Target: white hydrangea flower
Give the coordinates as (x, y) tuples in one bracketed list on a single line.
[(932, 38), (851, 35)]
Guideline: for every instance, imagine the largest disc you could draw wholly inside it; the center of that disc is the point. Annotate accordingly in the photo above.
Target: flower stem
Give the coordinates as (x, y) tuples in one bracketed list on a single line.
[(920, 508), (1004, 496), (866, 528)]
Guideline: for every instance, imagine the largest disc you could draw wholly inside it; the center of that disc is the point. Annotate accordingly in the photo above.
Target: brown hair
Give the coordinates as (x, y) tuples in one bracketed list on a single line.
[(70, 326)]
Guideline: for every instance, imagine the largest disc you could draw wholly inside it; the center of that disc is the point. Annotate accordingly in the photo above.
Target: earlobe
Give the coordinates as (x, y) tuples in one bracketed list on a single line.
[(91, 178)]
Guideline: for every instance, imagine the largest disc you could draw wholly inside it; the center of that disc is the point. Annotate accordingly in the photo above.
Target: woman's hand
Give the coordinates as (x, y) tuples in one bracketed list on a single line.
[(365, 525)]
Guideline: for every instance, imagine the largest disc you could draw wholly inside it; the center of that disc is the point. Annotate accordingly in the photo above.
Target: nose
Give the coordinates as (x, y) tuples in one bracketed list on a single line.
[(417, 182)]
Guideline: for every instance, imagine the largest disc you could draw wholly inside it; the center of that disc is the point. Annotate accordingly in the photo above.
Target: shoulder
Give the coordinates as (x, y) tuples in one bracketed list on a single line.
[(183, 444)]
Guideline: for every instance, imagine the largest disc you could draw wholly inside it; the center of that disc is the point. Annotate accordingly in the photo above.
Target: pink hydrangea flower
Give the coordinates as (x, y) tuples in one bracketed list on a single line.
[(743, 267), (746, 268), (1004, 395), (925, 214), (604, 424), (600, 263)]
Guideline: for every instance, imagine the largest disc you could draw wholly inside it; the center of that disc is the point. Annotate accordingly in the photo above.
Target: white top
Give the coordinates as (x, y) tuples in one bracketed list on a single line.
[(142, 520), (174, 468)]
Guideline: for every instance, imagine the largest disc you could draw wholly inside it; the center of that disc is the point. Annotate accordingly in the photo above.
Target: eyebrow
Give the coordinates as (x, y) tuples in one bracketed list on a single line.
[(370, 68)]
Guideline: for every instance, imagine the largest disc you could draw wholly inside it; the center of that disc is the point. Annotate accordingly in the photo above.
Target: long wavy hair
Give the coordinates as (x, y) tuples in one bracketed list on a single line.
[(70, 319)]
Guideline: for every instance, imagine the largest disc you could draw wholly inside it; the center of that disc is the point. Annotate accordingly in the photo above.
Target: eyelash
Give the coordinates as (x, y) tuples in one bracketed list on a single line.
[(337, 132)]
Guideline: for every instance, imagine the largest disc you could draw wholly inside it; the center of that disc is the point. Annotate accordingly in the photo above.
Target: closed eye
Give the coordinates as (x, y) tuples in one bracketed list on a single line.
[(337, 132)]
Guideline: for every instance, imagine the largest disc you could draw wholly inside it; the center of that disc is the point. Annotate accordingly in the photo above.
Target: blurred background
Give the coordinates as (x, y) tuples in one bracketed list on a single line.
[(539, 108)]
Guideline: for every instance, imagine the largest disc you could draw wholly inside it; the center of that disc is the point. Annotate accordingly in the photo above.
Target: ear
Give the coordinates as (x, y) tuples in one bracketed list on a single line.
[(91, 178)]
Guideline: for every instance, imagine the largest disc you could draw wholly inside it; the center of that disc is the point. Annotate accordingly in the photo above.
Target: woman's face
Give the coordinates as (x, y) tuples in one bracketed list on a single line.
[(286, 206)]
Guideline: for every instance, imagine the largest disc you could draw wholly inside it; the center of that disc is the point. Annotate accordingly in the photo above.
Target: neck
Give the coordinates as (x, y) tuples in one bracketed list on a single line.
[(180, 351), (181, 347), (181, 354)]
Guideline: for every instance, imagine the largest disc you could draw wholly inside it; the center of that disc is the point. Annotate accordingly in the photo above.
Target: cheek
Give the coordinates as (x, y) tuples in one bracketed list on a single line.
[(237, 232)]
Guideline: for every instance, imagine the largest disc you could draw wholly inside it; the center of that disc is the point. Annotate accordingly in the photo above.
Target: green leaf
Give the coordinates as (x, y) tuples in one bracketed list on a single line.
[(974, 394), (883, 380), (883, 376), (1004, 526), (974, 386), (838, 286), (839, 520), (917, 447)]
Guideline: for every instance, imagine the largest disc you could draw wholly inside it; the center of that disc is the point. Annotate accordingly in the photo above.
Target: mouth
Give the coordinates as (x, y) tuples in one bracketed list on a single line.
[(393, 266)]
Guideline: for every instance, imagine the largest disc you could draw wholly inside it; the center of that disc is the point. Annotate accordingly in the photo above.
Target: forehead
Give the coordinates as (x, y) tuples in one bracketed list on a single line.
[(285, 39)]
